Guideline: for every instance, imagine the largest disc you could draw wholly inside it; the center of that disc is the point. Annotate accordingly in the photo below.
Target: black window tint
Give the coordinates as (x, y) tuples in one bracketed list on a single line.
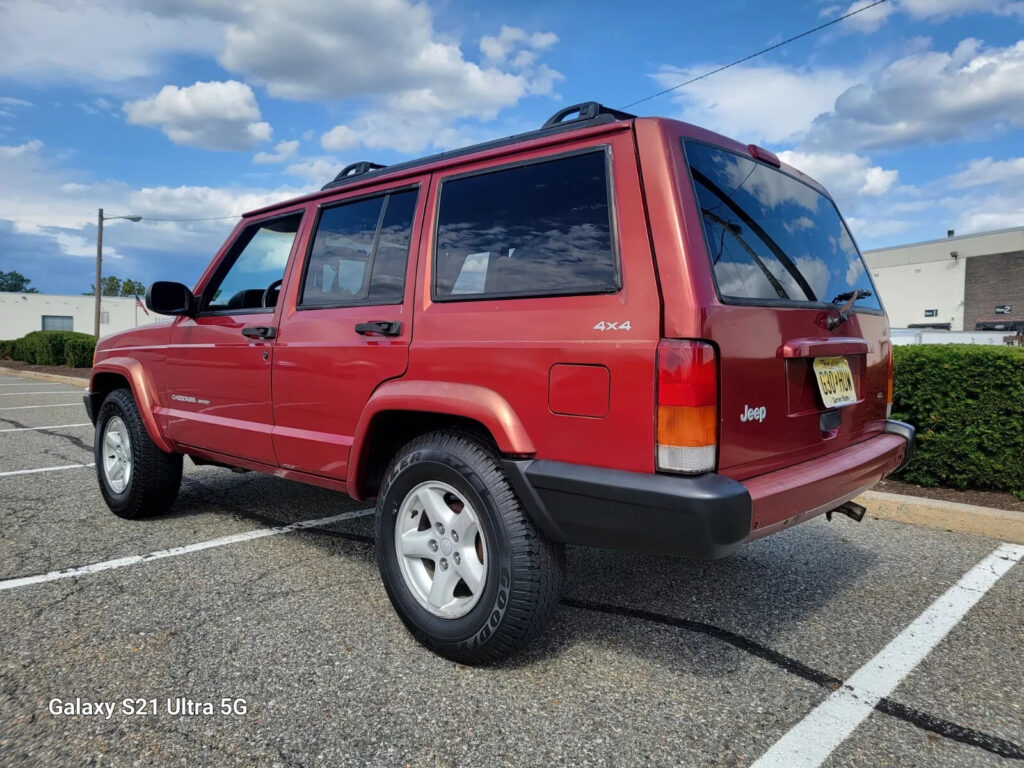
[(772, 237), (358, 254), (259, 257), (532, 230), (387, 282)]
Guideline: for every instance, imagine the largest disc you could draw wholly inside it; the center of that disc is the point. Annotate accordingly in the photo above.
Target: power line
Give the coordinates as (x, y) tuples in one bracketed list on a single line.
[(755, 55)]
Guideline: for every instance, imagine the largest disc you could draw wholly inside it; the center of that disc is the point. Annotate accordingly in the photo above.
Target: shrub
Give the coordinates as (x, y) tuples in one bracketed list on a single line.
[(54, 348), (6, 348), (967, 403)]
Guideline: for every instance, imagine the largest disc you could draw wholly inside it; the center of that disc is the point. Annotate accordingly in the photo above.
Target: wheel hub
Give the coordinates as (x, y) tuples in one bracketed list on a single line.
[(441, 551), (117, 454)]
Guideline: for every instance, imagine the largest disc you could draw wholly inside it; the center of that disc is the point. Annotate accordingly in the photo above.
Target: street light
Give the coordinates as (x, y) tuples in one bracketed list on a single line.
[(99, 262)]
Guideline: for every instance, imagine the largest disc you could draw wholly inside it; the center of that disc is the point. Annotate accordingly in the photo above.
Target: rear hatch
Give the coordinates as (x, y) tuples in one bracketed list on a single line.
[(792, 388)]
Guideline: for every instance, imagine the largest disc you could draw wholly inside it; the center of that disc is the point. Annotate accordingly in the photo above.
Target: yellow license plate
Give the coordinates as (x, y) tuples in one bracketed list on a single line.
[(835, 381)]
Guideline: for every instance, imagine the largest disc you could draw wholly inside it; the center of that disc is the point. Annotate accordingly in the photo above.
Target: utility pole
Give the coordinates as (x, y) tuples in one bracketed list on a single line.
[(100, 218), (99, 272)]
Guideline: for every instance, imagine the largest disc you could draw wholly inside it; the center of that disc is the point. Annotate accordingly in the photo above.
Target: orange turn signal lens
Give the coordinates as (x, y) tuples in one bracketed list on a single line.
[(687, 426)]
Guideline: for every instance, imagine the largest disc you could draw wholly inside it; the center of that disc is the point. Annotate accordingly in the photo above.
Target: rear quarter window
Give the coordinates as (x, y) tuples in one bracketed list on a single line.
[(538, 229), (772, 238)]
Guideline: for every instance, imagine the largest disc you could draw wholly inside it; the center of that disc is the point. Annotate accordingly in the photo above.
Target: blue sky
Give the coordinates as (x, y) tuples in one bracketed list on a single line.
[(911, 113)]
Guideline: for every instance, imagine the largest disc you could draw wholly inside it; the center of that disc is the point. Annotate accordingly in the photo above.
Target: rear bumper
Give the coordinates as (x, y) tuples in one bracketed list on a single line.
[(704, 516)]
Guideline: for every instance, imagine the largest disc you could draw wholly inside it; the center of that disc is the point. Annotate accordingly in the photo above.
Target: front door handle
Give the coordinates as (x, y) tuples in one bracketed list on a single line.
[(381, 327), (260, 332)]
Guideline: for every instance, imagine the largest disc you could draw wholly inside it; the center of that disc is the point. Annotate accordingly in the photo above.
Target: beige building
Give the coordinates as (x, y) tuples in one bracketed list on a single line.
[(962, 280), (22, 313)]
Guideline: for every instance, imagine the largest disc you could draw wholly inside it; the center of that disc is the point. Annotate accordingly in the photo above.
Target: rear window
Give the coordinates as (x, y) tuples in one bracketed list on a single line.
[(772, 238)]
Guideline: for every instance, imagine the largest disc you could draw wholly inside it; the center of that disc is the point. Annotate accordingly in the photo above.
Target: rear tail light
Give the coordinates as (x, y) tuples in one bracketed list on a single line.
[(888, 393), (687, 436)]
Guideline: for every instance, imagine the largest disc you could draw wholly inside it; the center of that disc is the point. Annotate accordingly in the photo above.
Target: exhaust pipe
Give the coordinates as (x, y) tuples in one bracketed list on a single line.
[(853, 511)]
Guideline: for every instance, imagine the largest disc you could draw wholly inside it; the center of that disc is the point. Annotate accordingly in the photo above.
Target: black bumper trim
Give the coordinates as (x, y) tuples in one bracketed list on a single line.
[(907, 432), (702, 517), (92, 405)]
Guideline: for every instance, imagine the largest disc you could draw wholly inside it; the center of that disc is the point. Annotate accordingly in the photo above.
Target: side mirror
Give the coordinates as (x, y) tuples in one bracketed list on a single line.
[(167, 298)]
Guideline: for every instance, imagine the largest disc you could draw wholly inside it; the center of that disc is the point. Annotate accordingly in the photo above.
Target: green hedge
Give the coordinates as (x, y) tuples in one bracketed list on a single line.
[(967, 403), (51, 348)]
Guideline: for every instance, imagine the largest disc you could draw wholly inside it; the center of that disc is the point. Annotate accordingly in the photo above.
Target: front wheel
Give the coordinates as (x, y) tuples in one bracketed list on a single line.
[(136, 478), (462, 562)]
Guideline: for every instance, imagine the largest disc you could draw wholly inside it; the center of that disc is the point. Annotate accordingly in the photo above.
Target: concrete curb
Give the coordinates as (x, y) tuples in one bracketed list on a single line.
[(964, 518), (56, 378)]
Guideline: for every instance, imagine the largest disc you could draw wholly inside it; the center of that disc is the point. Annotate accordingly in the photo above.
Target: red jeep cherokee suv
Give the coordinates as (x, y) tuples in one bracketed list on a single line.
[(613, 331)]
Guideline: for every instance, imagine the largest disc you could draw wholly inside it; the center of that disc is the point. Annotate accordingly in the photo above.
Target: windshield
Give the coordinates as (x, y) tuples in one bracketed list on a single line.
[(773, 238)]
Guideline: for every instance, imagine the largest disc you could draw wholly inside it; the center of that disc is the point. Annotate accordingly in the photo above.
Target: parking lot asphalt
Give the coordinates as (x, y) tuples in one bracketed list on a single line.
[(650, 660)]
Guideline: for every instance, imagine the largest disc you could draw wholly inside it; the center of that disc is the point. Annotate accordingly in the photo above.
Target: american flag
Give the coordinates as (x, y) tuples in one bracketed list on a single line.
[(140, 305)]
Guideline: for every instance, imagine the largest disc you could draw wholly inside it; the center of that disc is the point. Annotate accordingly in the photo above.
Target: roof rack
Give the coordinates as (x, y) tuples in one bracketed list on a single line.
[(586, 110), (569, 118), (354, 169)]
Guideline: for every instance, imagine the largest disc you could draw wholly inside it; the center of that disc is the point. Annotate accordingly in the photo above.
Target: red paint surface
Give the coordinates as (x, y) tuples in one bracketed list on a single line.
[(537, 373)]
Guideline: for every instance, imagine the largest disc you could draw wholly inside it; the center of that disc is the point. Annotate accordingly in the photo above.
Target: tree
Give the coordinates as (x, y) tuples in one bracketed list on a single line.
[(114, 287), (132, 288), (15, 282)]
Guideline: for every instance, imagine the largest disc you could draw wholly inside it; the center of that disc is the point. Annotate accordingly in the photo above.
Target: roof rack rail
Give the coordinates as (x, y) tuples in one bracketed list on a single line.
[(355, 169), (586, 110)]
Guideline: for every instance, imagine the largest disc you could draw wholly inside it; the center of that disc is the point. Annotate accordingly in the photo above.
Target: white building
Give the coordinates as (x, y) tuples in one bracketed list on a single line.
[(961, 280), (22, 313)]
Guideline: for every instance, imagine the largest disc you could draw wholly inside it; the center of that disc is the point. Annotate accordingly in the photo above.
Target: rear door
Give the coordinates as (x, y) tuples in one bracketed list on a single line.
[(784, 264), (347, 323)]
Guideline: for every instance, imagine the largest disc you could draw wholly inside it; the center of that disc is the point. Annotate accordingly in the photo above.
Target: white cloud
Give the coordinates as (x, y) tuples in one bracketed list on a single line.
[(497, 49), (8, 152), (86, 41), (865, 21), (10, 101), (922, 10), (987, 171), (928, 96), (41, 198), (762, 104), (208, 115), (281, 152), (844, 175), (316, 171), (340, 137), (350, 48)]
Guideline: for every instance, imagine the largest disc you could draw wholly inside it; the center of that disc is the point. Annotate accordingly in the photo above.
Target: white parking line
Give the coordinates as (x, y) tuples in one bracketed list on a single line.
[(56, 426), (121, 562), (809, 743), (29, 383), (37, 392), (51, 405), (46, 469)]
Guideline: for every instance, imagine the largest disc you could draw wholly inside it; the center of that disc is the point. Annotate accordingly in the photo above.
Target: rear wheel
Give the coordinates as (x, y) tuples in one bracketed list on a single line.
[(462, 562), (136, 478)]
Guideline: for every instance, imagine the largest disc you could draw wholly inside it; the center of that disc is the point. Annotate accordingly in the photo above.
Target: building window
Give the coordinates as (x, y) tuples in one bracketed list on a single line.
[(104, 318), (58, 323)]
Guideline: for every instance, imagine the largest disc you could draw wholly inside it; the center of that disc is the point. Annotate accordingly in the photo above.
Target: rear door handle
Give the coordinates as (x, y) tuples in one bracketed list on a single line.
[(381, 327), (260, 332)]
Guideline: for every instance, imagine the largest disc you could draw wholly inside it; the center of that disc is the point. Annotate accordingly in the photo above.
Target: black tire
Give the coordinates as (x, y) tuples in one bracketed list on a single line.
[(155, 476), (523, 570)]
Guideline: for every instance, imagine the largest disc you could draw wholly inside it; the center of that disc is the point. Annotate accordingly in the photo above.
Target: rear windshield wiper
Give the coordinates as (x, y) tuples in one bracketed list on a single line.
[(860, 293), (834, 321)]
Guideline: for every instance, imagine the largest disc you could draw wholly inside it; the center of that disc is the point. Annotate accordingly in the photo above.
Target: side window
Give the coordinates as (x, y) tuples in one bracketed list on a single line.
[(254, 269), (534, 230), (360, 252)]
